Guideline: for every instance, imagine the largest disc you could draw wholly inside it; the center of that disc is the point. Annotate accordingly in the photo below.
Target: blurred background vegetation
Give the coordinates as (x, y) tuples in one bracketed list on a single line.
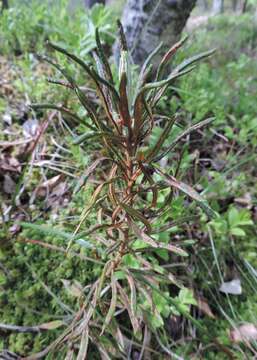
[(42, 181)]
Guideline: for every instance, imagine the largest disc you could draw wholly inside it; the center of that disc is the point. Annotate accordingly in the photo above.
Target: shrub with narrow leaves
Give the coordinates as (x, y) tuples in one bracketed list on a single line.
[(130, 299)]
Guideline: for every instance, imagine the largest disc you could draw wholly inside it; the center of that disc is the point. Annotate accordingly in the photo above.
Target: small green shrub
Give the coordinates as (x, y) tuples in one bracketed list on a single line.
[(25, 27), (129, 202), (230, 89)]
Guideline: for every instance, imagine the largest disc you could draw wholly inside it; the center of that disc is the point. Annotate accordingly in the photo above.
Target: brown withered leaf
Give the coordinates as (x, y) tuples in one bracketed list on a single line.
[(243, 333), (9, 184), (60, 189), (56, 199), (48, 185), (9, 163), (204, 307), (73, 288), (52, 325), (14, 143), (245, 200)]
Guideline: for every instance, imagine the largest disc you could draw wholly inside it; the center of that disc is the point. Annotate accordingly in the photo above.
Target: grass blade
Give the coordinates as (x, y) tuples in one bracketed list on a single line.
[(83, 345)]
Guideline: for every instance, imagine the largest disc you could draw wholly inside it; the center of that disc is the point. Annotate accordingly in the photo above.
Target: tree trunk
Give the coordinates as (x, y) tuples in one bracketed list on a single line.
[(234, 5), (91, 3), (5, 5), (148, 22), (204, 4), (244, 7), (217, 7)]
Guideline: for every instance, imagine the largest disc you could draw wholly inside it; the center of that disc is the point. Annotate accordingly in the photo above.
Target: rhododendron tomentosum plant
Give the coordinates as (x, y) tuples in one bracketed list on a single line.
[(122, 305)]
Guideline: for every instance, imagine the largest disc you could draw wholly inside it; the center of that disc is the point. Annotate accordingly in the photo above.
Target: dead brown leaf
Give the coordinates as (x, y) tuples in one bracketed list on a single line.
[(203, 305), (48, 185), (73, 288), (9, 185), (9, 163), (245, 200)]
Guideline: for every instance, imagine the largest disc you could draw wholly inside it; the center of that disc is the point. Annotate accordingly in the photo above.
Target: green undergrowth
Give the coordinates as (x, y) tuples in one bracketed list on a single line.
[(225, 87), (38, 284), (25, 29)]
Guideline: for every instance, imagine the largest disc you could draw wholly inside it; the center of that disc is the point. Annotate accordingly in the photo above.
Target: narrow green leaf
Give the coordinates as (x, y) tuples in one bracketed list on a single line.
[(122, 37), (174, 223), (113, 304), (59, 82), (85, 213), (111, 97), (50, 230), (151, 181), (64, 110), (100, 76), (194, 59), (86, 136), (188, 190), (101, 281), (100, 134), (156, 148), (182, 135), (157, 245), (136, 215), (71, 56), (95, 77), (85, 103), (103, 57), (174, 75), (81, 96), (166, 58), (148, 60)]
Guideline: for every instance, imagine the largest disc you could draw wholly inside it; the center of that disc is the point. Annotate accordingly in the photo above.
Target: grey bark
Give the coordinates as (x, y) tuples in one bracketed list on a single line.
[(5, 5), (90, 3), (244, 7), (234, 5), (217, 7), (203, 4), (148, 22)]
